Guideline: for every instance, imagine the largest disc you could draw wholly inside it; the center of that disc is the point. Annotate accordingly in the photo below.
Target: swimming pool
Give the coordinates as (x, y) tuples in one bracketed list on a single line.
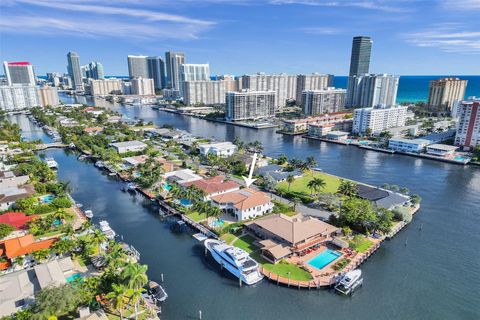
[(47, 198), (459, 158), (324, 258), (74, 277), (166, 186), (217, 223), (364, 143), (185, 202), (57, 222)]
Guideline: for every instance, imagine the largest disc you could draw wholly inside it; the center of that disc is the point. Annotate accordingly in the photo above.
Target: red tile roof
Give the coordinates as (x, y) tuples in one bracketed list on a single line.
[(243, 199), (23, 245), (213, 185), (18, 220)]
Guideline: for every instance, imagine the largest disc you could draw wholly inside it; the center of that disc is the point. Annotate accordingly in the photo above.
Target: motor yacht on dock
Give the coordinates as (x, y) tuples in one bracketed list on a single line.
[(156, 291), (349, 282), (235, 260), (51, 163), (105, 228), (89, 214)]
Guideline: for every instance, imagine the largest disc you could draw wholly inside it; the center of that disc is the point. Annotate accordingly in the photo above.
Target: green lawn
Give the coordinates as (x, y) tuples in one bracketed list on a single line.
[(300, 184), (280, 207), (283, 269), (246, 243), (360, 243), (228, 237), (196, 216)]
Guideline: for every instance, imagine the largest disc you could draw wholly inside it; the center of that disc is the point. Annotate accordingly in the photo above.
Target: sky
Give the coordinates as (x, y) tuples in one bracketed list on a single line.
[(411, 37)]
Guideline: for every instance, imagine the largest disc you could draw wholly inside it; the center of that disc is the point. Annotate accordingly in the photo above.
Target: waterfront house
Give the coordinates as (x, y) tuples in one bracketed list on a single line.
[(244, 204), (18, 289), (213, 186), (181, 177), (286, 235), (164, 133), (133, 162), (408, 145), (297, 126), (129, 146), (277, 172), (442, 150), (337, 135), (248, 158), (93, 111), (220, 149), (381, 197), (8, 179), (18, 220), (114, 119)]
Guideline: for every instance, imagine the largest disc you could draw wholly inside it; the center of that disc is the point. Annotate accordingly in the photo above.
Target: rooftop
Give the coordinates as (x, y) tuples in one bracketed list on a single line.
[(18, 220), (20, 246), (213, 185), (133, 143), (243, 199)]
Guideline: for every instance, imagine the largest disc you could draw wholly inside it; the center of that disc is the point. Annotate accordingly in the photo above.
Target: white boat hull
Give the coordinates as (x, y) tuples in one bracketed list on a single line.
[(254, 278)]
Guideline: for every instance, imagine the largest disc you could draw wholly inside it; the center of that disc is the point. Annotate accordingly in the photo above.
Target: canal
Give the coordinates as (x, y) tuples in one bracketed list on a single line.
[(428, 271)]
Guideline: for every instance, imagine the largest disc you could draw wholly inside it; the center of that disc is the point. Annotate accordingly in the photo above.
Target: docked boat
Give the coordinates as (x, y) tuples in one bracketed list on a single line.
[(99, 164), (105, 228), (235, 260), (131, 186), (349, 282), (89, 214), (157, 292), (51, 163)]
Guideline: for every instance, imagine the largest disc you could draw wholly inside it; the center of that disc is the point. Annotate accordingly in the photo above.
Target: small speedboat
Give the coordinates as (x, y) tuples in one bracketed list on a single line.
[(89, 214), (99, 164), (51, 163), (157, 292), (349, 282)]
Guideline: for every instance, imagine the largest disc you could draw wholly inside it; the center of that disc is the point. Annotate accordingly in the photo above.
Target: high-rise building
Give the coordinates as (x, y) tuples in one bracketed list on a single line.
[(360, 58), (19, 73), (193, 72), (48, 96), (74, 71), (137, 67), (283, 85), (143, 87), (156, 71), (249, 105), (94, 70), (207, 92), (329, 100), (231, 84), (443, 93), (378, 119), (105, 87), (54, 78), (372, 90), (18, 97), (173, 61), (468, 128), (314, 81)]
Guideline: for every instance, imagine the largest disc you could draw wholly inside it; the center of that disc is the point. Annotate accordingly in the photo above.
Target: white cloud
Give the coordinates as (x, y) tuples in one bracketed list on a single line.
[(378, 5), (448, 37), (86, 18), (461, 5), (321, 30)]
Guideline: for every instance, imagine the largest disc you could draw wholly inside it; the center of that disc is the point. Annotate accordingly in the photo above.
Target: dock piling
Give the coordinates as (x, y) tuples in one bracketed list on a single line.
[(200, 314), (161, 275)]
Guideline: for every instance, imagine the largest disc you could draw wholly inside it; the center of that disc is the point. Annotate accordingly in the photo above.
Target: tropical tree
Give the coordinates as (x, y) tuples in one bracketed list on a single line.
[(41, 255), (347, 188), (63, 246), (118, 297), (316, 184), (310, 162), (415, 199), (5, 230), (404, 190), (269, 183), (215, 212), (295, 201), (290, 179), (282, 159), (135, 275), (97, 237)]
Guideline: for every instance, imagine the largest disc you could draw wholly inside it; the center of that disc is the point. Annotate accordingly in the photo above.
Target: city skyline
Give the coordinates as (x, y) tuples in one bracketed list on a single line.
[(303, 36)]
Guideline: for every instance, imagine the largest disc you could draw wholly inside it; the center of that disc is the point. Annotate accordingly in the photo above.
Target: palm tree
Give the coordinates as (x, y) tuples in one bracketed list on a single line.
[(295, 201), (310, 163), (135, 275), (316, 184), (118, 297), (347, 188), (290, 179), (97, 238), (135, 296), (63, 246)]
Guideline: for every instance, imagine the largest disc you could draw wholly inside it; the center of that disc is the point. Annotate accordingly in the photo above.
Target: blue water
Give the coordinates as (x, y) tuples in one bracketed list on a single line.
[(74, 277), (185, 202), (47, 199), (323, 259), (167, 187), (217, 223), (415, 88)]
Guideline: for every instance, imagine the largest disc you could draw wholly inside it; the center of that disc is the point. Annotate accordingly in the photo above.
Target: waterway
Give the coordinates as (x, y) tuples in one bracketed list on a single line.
[(430, 270)]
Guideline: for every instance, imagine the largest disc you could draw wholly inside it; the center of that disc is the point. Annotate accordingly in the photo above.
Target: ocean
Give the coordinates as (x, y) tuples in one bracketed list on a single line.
[(415, 88)]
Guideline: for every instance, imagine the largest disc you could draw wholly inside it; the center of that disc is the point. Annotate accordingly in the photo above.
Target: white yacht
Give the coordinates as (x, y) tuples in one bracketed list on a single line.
[(235, 260), (350, 281), (105, 228), (51, 163), (89, 214)]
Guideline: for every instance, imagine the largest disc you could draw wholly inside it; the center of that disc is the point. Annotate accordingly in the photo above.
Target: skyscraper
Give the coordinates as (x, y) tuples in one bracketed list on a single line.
[(74, 71), (249, 105), (94, 70), (468, 128), (443, 93), (329, 100), (193, 72), (360, 59), (173, 62), (137, 67), (19, 73), (156, 71), (372, 90), (314, 81)]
